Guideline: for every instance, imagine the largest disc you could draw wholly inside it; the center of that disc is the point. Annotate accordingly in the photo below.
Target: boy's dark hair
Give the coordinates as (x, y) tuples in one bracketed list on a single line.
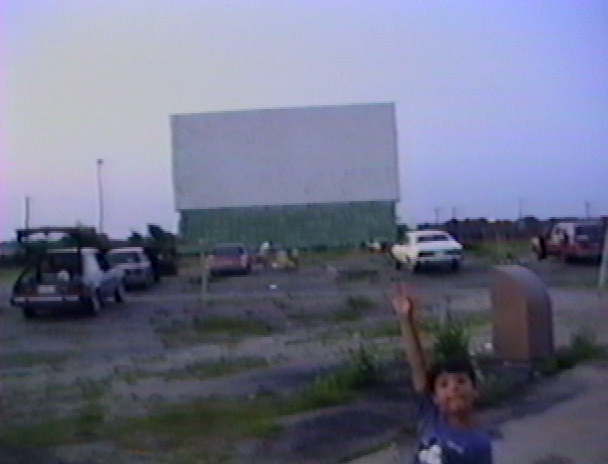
[(450, 366)]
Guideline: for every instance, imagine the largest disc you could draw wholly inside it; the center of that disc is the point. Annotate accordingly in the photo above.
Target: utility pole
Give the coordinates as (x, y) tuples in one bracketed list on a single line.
[(587, 209), (100, 194), (453, 212), (437, 209), (604, 266), (520, 208), (27, 212), (204, 263)]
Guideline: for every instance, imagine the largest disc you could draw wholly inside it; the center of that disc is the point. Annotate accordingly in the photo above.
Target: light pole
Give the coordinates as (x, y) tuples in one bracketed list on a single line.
[(437, 210), (604, 264), (100, 194), (27, 212), (520, 208)]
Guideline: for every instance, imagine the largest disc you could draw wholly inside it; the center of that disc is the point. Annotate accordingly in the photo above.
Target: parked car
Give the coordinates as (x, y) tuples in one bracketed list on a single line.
[(571, 240), (135, 264), (69, 277), (427, 247), (229, 258)]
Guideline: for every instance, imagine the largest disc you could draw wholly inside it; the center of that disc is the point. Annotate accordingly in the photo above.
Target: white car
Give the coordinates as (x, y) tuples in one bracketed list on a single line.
[(68, 277), (135, 264), (427, 247)]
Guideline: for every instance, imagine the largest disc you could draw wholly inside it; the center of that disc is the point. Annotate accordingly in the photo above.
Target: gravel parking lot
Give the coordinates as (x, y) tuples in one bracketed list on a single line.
[(268, 334)]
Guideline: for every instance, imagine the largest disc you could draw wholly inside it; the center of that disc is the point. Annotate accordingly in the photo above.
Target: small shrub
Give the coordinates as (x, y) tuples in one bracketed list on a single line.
[(386, 329), (347, 315), (340, 386), (232, 326), (360, 302), (208, 369), (451, 340), (583, 347)]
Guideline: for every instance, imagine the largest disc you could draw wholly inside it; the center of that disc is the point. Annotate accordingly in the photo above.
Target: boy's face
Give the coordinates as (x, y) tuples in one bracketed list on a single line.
[(454, 393)]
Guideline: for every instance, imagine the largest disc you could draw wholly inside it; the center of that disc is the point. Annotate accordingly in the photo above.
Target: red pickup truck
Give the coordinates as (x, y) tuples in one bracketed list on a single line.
[(571, 240)]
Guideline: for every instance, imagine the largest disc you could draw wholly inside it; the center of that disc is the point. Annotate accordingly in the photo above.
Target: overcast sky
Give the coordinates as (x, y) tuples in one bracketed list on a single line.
[(496, 100)]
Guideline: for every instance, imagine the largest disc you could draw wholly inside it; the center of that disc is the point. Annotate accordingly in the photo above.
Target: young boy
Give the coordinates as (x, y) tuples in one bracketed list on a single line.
[(447, 430)]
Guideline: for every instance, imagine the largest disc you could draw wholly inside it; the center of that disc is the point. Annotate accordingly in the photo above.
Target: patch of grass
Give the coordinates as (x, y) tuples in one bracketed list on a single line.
[(201, 425), (233, 327), (321, 257), (179, 426), (88, 423), (30, 359), (50, 433), (306, 317), (347, 315), (583, 347), (354, 309), (358, 275), (203, 370), (340, 386), (385, 329), (201, 330), (360, 302), (501, 251), (94, 389)]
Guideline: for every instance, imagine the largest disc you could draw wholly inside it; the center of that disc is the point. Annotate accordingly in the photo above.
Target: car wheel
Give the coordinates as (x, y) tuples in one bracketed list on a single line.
[(29, 312), (398, 265), (455, 265), (93, 304), (119, 293)]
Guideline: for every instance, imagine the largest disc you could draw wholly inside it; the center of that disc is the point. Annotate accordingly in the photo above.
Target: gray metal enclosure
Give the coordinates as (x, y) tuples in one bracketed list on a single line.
[(300, 176)]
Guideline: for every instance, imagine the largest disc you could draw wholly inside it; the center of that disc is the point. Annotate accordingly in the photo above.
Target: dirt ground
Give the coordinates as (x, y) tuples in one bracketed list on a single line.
[(260, 338)]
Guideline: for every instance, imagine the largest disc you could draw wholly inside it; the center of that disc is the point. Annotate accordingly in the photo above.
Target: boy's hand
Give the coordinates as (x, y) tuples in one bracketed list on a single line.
[(403, 301)]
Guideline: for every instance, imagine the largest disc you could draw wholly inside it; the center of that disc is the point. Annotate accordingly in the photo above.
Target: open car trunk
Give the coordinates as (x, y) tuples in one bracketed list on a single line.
[(54, 274)]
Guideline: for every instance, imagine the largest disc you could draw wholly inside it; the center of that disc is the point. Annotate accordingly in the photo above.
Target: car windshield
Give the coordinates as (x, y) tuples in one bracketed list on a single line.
[(591, 233), (227, 251), (432, 238), (123, 258)]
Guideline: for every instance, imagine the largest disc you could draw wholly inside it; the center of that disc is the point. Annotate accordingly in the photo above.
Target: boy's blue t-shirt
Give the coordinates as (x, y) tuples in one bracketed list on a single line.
[(440, 443)]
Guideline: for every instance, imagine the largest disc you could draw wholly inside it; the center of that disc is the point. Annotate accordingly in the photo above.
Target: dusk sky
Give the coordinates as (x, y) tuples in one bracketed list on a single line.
[(498, 102)]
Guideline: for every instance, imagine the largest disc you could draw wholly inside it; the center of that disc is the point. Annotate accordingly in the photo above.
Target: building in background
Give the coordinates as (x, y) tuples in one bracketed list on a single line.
[(312, 176)]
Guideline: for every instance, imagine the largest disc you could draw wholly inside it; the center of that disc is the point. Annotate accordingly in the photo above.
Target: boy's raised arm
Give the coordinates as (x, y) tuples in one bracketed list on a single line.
[(405, 306)]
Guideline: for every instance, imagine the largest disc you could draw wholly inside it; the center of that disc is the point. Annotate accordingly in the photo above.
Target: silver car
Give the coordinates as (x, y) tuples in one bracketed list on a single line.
[(135, 264)]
